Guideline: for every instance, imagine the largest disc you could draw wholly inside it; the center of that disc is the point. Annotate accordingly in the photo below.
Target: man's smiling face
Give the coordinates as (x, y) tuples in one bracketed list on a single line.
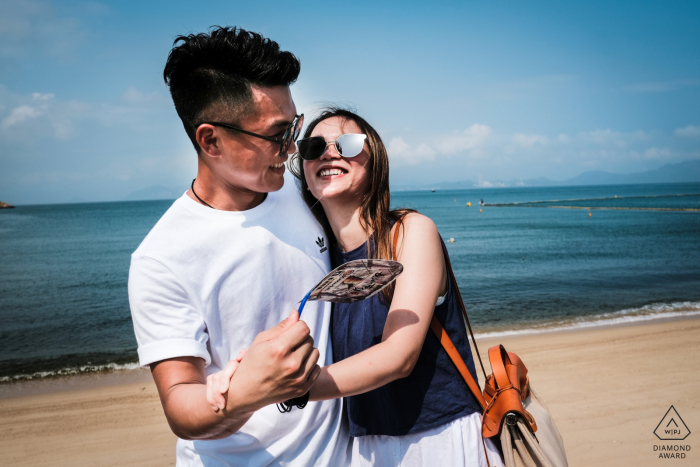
[(248, 164)]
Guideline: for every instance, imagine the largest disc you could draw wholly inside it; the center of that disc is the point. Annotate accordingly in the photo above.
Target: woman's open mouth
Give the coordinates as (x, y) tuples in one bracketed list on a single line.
[(331, 172)]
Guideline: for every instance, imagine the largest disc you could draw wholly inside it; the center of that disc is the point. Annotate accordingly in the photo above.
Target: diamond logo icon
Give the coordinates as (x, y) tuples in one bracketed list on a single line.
[(672, 427)]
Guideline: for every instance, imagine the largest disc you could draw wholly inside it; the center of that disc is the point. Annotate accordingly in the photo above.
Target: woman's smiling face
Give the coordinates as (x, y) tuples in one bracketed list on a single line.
[(331, 175)]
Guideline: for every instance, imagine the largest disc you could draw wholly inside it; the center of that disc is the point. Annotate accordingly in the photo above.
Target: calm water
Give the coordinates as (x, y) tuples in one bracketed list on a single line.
[(63, 275)]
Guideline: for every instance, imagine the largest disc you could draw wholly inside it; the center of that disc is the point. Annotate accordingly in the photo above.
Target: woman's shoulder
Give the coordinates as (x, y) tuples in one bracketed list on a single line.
[(416, 229), (418, 223)]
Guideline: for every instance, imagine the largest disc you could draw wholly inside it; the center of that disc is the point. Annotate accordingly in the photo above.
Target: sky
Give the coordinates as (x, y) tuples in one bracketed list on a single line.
[(506, 90)]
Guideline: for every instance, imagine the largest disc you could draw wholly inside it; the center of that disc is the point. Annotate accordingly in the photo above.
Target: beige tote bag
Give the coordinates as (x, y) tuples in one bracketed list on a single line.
[(521, 448)]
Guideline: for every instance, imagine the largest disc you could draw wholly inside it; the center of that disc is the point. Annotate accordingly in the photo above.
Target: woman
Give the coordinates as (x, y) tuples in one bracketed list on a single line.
[(406, 402)]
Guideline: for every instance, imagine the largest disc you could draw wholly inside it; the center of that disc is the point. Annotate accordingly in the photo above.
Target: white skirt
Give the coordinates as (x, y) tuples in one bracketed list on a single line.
[(457, 443)]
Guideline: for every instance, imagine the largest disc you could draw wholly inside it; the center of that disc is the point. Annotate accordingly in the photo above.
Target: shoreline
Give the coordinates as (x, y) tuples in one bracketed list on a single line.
[(74, 382), (37, 385), (607, 389), (589, 325)]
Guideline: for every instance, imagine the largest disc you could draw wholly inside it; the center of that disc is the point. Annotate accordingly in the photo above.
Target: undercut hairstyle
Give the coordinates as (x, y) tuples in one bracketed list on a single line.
[(210, 75), (376, 215)]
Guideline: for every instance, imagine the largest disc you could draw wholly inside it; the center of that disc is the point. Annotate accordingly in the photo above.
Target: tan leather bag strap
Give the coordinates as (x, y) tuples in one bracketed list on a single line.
[(457, 360), (441, 334), (455, 287), (498, 357)]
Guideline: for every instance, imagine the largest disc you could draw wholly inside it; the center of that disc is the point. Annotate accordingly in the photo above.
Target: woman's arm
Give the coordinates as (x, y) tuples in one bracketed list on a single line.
[(423, 280)]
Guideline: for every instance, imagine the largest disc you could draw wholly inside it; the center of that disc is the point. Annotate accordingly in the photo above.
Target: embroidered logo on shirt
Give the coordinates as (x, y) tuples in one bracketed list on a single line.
[(320, 242)]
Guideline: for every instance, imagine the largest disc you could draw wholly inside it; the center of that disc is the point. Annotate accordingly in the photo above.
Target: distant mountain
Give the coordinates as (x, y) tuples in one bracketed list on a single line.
[(155, 192), (682, 172)]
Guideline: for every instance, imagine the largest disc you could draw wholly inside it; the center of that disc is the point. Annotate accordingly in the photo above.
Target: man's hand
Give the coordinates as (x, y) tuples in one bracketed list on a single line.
[(279, 365)]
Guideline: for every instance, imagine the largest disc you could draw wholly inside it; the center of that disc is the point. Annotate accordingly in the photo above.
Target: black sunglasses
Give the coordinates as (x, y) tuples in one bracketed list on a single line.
[(347, 145), (290, 134)]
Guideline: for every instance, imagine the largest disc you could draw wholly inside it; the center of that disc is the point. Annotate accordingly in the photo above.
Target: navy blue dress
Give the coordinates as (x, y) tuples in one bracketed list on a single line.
[(432, 395)]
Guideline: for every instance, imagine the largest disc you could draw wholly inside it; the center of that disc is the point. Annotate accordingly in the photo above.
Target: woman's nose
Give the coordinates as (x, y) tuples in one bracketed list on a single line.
[(331, 152)]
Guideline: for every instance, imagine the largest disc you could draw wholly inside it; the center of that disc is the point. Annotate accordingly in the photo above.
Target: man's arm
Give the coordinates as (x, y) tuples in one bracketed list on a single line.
[(280, 364)]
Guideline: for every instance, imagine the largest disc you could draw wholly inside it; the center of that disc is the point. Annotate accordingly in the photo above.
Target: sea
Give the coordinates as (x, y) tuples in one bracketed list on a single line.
[(529, 260)]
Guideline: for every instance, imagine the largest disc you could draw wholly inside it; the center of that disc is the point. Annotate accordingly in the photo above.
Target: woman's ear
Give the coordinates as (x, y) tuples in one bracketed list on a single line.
[(208, 141)]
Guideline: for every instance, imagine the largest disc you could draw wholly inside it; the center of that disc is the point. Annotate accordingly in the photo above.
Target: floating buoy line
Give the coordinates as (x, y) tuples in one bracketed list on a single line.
[(546, 204)]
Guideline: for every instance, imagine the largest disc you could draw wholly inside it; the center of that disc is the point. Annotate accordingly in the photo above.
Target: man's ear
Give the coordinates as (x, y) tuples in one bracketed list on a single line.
[(207, 139)]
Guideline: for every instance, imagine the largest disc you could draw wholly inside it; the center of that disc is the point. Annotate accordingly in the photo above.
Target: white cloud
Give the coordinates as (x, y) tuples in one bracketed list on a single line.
[(604, 137), (503, 156), (27, 112), (54, 118), (529, 140), (397, 146), (657, 153), (33, 27), (37, 96), (402, 152), (471, 138), (20, 114), (689, 131), (134, 97)]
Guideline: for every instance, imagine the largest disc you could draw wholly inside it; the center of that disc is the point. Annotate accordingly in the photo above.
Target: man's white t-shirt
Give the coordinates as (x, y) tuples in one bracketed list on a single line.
[(204, 283)]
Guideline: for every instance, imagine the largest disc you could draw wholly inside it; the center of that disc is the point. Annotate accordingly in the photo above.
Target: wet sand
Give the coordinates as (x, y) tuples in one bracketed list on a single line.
[(608, 389)]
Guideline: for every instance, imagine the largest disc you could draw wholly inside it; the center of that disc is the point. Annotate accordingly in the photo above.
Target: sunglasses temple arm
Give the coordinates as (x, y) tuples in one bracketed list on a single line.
[(303, 302)]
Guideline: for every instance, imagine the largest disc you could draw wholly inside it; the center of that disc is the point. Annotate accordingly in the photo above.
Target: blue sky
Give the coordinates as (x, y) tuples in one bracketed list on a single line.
[(456, 89)]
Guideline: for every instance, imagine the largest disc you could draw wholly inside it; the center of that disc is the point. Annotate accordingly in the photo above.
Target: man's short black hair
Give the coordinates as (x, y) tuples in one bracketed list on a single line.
[(210, 74)]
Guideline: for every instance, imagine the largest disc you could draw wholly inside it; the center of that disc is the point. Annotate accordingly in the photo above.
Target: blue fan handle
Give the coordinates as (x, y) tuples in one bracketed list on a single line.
[(304, 300)]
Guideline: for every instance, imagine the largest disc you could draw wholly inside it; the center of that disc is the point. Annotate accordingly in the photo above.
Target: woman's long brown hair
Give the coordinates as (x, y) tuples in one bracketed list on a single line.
[(375, 213)]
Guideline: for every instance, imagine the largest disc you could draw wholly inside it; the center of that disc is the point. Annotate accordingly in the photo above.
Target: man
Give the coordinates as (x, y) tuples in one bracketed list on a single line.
[(229, 260)]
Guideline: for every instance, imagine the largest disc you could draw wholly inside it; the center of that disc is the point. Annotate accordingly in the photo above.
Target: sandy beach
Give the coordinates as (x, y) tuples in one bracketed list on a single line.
[(608, 389)]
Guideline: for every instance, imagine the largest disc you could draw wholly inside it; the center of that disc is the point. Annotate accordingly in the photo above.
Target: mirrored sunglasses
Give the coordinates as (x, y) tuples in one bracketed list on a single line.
[(347, 145)]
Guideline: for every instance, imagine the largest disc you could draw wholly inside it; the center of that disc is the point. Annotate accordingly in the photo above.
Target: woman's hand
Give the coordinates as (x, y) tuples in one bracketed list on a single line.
[(218, 383)]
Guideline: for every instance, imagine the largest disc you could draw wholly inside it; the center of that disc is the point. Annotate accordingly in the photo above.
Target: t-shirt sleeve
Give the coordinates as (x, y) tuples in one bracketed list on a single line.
[(166, 322)]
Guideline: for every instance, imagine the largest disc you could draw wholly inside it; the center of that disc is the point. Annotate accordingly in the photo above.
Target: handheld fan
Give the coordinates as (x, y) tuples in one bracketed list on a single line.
[(354, 281), (351, 282)]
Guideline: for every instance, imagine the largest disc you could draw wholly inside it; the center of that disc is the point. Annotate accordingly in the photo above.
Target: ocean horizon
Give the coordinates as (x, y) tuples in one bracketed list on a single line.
[(521, 269)]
